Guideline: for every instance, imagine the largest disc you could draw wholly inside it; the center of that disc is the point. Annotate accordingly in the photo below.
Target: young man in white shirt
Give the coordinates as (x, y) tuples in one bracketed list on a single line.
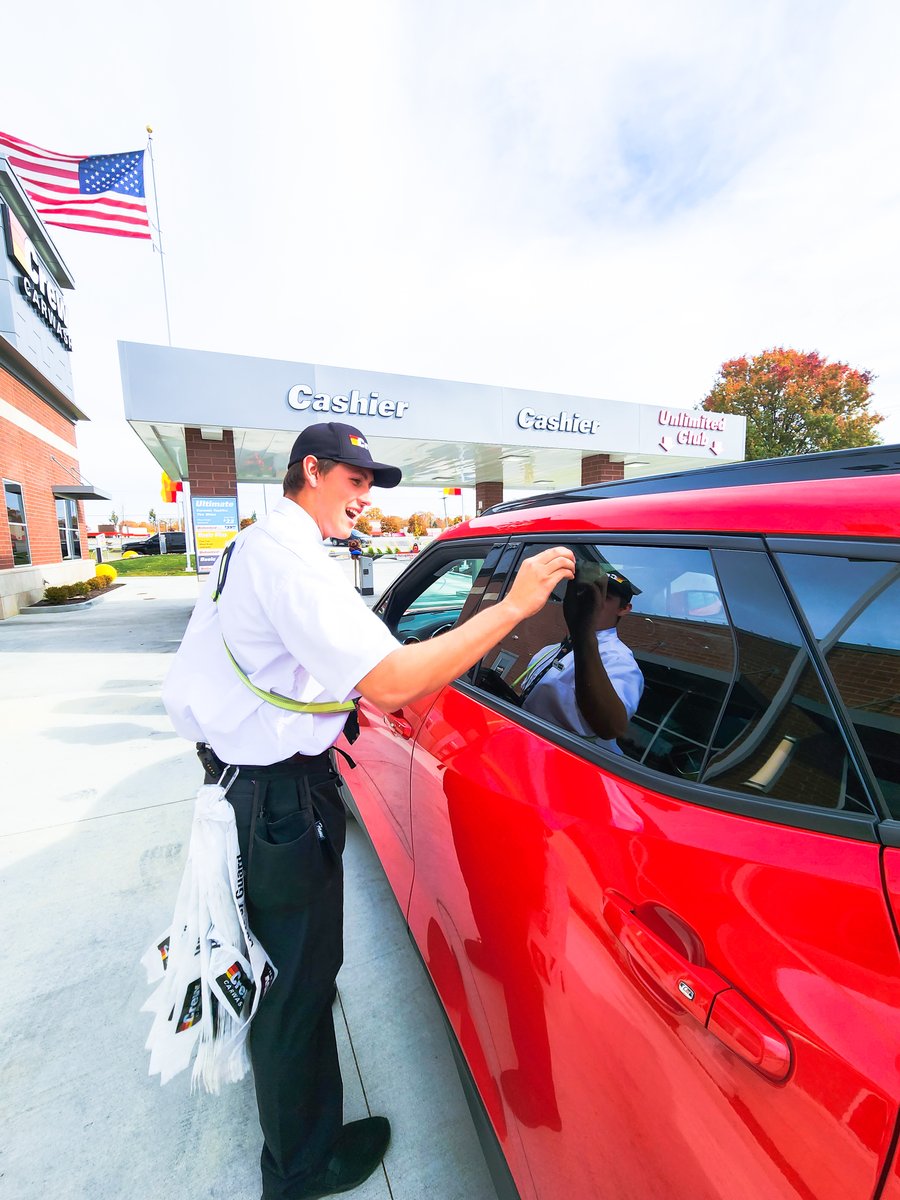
[(288, 624)]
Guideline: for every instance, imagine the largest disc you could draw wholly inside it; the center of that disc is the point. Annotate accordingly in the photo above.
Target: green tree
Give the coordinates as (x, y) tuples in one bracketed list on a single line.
[(151, 516), (114, 518), (795, 403)]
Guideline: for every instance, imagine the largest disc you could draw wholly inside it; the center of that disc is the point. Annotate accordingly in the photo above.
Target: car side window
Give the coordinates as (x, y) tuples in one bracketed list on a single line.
[(851, 606), (435, 597), (711, 666), (781, 738), (668, 653)]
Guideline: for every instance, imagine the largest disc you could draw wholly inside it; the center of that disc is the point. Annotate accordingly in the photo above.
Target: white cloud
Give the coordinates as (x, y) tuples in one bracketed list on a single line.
[(583, 197)]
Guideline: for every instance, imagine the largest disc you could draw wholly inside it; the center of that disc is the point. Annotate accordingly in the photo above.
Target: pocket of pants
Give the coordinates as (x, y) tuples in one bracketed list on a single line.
[(292, 863)]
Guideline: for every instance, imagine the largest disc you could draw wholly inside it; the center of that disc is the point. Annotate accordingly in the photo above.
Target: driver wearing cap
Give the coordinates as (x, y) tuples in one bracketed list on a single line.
[(276, 651), (589, 683)]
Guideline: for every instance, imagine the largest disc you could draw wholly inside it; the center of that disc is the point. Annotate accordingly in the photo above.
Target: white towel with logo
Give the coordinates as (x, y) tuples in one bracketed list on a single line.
[(211, 972)]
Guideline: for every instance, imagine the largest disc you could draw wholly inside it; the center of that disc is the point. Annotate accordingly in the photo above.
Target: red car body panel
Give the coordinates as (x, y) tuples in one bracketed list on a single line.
[(380, 786), (654, 997), (837, 507), (565, 1032)]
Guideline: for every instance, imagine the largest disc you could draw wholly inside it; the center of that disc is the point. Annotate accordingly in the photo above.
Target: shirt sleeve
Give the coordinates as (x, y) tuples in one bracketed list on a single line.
[(627, 680)]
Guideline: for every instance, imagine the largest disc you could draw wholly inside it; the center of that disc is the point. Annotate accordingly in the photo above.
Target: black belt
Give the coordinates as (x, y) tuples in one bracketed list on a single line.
[(214, 766)]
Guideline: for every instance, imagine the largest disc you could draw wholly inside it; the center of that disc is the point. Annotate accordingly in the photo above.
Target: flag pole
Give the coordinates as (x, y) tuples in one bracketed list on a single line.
[(162, 257)]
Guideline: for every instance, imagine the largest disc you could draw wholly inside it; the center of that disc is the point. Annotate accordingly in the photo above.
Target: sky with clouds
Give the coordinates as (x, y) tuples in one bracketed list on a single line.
[(590, 198)]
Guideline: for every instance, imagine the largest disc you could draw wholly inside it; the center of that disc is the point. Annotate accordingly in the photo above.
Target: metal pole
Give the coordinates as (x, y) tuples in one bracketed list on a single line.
[(162, 257), (188, 525)]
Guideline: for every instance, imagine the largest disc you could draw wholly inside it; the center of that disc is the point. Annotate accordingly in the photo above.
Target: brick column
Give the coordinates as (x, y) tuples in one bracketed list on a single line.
[(487, 494), (211, 467), (597, 468)]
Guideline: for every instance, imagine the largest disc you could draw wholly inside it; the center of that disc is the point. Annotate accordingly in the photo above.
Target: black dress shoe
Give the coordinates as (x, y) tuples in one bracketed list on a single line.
[(355, 1155)]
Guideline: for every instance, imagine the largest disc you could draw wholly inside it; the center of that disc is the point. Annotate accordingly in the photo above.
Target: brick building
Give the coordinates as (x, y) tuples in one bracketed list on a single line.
[(42, 533)]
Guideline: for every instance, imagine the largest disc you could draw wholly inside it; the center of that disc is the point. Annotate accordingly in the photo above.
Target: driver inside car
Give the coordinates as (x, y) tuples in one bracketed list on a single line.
[(590, 682)]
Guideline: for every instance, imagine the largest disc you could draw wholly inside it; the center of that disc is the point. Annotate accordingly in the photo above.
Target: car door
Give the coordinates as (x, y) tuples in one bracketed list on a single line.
[(428, 599), (671, 968)]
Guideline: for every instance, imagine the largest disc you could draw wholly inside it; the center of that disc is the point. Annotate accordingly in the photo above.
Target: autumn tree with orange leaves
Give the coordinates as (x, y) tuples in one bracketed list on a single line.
[(796, 403)]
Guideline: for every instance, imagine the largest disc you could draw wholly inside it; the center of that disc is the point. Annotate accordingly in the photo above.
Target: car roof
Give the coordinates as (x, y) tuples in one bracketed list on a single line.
[(855, 494), (832, 464)]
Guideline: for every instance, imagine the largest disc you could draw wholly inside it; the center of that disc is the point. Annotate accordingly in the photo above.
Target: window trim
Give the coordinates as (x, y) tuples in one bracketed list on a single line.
[(860, 826), (876, 550)]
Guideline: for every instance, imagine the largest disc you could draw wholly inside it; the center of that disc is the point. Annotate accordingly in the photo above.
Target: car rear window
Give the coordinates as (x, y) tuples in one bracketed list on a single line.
[(852, 608)]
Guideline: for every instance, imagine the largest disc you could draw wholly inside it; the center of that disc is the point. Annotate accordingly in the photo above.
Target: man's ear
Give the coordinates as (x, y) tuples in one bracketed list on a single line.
[(311, 469)]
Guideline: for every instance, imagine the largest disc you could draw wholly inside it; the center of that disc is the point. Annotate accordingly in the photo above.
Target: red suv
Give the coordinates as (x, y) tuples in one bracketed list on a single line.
[(669, 959)]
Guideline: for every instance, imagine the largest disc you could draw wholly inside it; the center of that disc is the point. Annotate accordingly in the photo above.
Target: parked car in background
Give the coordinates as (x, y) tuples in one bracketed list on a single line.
[(669, 963), (363, 538), (175, 544)]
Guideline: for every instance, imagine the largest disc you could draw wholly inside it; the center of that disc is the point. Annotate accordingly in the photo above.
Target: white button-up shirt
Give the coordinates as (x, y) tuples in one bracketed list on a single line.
[(553, 697), (296, 626)]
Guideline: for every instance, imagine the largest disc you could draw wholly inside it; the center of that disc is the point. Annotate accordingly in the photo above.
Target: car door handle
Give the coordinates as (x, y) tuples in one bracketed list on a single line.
[(398, 724), (702, 992), (692, 986)]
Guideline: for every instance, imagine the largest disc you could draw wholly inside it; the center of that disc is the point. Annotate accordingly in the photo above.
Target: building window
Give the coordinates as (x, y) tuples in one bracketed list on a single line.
[(18, 529), (67, 518)]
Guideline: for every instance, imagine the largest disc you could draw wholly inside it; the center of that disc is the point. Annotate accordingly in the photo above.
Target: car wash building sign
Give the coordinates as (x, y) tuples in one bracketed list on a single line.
[(36, 283), (694, 429), (300, 397)]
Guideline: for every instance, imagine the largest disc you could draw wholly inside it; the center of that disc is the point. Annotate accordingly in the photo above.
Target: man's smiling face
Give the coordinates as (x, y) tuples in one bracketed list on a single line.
[(339, 498)]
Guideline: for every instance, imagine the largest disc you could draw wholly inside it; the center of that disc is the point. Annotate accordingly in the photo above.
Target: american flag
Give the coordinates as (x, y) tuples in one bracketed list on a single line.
[(96, 193)]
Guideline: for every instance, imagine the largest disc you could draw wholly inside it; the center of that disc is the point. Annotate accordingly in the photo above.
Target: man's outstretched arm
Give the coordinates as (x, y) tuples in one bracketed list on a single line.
[(415, 670)]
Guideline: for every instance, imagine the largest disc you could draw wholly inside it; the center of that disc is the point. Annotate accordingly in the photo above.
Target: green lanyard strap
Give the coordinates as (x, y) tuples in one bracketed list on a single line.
[(286, 702)]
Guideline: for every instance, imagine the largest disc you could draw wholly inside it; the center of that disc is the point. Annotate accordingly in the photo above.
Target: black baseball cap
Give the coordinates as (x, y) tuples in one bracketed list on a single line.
[(620, 586), (344, 444)]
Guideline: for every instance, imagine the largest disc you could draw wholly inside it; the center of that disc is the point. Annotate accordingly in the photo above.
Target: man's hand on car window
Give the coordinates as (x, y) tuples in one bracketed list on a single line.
[(537, 578), (582, 604)]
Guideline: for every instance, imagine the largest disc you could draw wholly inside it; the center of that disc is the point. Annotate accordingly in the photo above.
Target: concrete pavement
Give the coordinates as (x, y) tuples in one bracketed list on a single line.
[(94, 824)]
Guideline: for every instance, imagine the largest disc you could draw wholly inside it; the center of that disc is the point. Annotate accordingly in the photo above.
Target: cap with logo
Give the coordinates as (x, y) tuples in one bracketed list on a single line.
[(592, 571), (344, 444), (620, 586)]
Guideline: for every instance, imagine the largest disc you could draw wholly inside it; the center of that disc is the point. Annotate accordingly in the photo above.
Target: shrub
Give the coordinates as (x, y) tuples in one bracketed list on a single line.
[(108, 571), (72, 591), (67, 591)]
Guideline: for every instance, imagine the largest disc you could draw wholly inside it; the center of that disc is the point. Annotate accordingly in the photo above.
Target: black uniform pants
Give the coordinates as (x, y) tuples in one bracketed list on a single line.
[(291, 827)]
